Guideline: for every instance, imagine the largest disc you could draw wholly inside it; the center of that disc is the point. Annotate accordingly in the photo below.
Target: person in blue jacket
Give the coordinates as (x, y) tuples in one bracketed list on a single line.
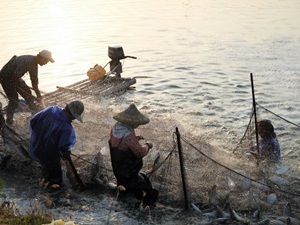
[(53, 136)]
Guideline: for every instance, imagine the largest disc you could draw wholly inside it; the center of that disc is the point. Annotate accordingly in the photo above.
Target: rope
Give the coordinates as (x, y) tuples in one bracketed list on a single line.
[(89, 162), (278, 116), (283, 191), (24, 107), (156, 168), (248, 126)]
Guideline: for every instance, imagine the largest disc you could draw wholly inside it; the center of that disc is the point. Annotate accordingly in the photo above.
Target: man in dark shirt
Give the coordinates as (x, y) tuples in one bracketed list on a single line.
[(12, 83)]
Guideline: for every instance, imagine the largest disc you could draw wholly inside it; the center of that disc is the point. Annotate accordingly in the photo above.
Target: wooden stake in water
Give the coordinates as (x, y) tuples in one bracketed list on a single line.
[(182, 168), (254, 112)]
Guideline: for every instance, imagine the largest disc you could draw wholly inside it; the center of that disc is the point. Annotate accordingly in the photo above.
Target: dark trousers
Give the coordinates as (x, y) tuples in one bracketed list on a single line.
[(11, 88), (126, 169), (54, 174), (138, 185)]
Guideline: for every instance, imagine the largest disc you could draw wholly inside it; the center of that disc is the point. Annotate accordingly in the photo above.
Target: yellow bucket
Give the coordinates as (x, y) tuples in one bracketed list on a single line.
[(96, 73)]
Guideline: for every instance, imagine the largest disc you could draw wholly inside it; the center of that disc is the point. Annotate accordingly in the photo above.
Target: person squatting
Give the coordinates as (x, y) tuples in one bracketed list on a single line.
[(127, 155)]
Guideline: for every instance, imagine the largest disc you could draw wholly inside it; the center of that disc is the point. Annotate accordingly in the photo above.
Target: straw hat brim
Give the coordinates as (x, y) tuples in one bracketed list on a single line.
[(131, 116)]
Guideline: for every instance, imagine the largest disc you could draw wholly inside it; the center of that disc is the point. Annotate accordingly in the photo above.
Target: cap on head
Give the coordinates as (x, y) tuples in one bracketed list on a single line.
[(76, 108), (47, 55), (131, 116)]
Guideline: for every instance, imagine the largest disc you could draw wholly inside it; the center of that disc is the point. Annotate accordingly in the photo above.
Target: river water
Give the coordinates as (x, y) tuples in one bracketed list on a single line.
[(194, 58)]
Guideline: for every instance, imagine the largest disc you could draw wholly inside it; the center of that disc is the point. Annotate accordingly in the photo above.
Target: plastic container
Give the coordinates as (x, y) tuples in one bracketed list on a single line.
[(96, 73)]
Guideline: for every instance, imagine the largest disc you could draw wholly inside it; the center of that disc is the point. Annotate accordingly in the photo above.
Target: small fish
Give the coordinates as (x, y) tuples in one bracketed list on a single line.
[(94, 167), (282, 170), (112, 186), (246, 182), (231, 184), (225, 201), (196, 208), (221, 220), (220, 212), (287, 209), (212, 194), (276, 222), (211, 215), (251, 198), (155, 166), (291, 220), (271, 199), (262, 222), (156, 162), (235, 216), (256, 214), (281, 182), (98, 181)]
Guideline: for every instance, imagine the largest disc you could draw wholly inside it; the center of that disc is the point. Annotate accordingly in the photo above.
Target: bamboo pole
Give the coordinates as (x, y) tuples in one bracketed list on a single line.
[(254, 112), (182, 169)]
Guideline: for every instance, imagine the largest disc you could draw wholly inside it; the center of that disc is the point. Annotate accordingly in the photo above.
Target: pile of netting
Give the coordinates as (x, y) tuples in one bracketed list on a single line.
[(210, 177), (287, 134), (191, 172), (206, 176)]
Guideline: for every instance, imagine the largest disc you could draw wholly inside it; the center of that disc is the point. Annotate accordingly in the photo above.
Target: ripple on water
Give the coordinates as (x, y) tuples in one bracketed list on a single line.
[(243, 86), (145, 92), (209, 83), (183, 68)]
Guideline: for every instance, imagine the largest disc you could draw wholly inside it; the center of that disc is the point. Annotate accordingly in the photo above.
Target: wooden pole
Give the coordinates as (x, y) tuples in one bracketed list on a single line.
[(81, 184), (182, 169), (254, 112)]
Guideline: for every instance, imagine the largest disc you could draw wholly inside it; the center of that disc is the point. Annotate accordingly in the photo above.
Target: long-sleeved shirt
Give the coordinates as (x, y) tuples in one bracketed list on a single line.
[(51, 133), (18, 66), (124, 138), (270, 149)]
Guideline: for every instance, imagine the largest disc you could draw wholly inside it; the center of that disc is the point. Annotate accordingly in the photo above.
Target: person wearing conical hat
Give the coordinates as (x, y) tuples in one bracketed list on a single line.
[(52, 137), (127, 155), (12, 83)]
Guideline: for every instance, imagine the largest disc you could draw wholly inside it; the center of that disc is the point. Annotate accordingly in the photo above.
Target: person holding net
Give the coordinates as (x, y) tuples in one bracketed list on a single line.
[(12, 83), (269, 148), (127, 155), (52, 137)]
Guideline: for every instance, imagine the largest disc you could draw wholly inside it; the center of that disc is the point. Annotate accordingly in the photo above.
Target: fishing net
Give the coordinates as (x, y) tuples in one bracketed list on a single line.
[(287, 134), (205, 176), (211, 177)]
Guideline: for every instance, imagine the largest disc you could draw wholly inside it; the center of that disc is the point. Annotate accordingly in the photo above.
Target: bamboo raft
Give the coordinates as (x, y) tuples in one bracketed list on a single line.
[(88, 90)]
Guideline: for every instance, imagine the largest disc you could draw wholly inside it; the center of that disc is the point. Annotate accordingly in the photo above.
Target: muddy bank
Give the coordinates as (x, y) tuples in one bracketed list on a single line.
[(97, 205)]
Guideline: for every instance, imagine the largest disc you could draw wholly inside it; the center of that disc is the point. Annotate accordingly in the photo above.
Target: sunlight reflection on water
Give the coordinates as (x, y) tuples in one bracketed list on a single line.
[(193, 57)]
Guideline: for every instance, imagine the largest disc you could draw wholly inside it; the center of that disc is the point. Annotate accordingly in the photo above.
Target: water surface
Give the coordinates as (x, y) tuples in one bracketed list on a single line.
[(193, 57)]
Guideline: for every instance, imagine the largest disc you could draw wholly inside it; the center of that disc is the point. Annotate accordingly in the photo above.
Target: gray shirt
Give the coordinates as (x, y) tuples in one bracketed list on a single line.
[(18, 66)]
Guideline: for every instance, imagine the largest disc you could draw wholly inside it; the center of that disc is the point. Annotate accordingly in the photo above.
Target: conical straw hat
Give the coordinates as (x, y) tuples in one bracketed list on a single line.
[(131, 116)]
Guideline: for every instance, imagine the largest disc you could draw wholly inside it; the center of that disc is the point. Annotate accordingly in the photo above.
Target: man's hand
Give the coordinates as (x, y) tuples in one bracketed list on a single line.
[(65, 154)]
